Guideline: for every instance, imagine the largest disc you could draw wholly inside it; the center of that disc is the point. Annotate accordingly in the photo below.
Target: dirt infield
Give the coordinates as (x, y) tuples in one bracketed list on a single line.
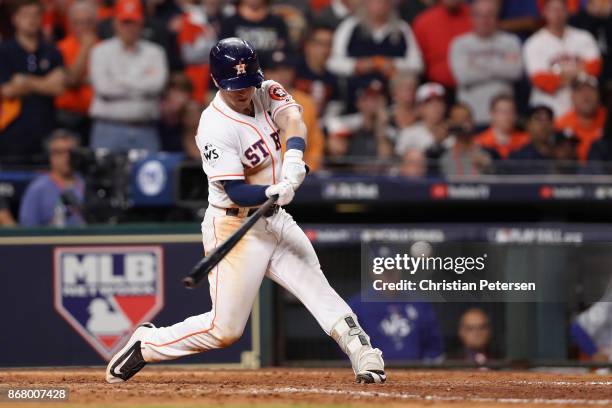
[(187, 387)]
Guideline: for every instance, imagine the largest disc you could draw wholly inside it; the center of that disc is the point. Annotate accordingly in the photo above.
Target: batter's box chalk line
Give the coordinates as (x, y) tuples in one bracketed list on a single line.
[(406, 396)]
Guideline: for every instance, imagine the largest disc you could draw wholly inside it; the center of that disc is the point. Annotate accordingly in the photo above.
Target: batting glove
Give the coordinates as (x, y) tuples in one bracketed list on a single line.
[(294, 168), (284, 190)]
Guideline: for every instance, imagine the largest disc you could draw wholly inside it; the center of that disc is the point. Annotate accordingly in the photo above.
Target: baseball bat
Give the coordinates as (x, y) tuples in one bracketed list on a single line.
[(206, 264)]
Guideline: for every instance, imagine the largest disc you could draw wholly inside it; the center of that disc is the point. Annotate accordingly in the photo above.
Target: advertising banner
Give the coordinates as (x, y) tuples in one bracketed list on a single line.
[(75, 300)]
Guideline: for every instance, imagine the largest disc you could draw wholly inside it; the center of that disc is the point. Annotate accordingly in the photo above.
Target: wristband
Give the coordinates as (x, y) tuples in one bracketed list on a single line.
[(296, 143)]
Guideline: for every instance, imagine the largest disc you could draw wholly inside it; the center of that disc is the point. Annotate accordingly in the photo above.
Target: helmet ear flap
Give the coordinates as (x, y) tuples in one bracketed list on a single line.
[(215, 81)]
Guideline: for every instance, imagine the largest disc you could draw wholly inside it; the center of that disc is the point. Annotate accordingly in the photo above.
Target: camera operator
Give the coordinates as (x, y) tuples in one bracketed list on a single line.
[(55, 198)]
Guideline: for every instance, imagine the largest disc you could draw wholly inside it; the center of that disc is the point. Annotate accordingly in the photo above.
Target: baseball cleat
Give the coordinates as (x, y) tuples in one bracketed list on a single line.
[(370, 367), (371, 377), (128, 361)]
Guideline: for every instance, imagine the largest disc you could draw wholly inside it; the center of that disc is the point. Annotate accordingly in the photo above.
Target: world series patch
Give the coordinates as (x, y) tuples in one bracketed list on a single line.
[(211, 154)]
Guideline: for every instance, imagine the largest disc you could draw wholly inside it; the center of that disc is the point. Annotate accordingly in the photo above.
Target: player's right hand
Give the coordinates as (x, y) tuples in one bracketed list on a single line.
[(284, 190)]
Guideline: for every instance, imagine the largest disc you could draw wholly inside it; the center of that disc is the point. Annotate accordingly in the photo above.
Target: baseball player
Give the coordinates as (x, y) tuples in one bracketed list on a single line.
[(240, 137)]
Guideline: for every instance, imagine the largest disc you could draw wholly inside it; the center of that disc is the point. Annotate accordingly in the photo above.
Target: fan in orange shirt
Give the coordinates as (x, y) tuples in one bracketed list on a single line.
[(502, 138), (587, 117), (75, 49), (195, 39)]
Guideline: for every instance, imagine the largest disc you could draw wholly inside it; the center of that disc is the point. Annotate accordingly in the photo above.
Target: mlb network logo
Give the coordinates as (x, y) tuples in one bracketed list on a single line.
[(105, 292)]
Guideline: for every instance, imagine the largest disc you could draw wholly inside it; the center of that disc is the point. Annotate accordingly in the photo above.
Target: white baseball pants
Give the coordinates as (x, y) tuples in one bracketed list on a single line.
[(275, 247)]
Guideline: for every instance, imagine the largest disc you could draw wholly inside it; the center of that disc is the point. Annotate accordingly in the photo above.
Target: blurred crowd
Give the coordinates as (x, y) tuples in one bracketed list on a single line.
[(413, 88), (437, 87)]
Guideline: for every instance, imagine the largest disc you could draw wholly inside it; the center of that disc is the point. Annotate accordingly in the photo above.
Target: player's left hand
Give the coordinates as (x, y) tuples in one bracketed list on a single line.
[(284, 191), (294, 168)]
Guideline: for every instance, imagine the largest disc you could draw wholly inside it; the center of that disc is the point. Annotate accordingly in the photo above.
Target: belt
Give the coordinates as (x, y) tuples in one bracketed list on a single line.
[(247, 212)]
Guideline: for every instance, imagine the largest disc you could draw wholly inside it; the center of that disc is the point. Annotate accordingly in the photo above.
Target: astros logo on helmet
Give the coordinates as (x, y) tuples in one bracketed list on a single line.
[(240, 68)]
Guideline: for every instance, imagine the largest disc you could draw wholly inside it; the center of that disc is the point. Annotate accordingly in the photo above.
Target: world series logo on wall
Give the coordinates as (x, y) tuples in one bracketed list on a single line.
[(105, 292)]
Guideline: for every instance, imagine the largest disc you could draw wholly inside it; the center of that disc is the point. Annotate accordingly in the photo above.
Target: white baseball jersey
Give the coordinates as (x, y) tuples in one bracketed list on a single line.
[(236, 146), (544, 52)]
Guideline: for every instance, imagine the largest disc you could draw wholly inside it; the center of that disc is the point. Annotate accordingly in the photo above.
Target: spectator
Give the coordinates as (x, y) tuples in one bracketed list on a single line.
[(564, 153), (459, 116), (403, 95), (431, 129), (435, 29), (173, 106), (540, 128), (255, 23), (414, 164), (485, 62), (155, 27), (73, 105), (502, 137), (196, 37), (475, 335), (464, 157), (128, 75), (596, 18), (54, 199), (376, 42), (313, 77), (402, 330), (555, 55), (31, 75), (587, 117), (6, 218), (282, 69), (366, 133), (337, 11)]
